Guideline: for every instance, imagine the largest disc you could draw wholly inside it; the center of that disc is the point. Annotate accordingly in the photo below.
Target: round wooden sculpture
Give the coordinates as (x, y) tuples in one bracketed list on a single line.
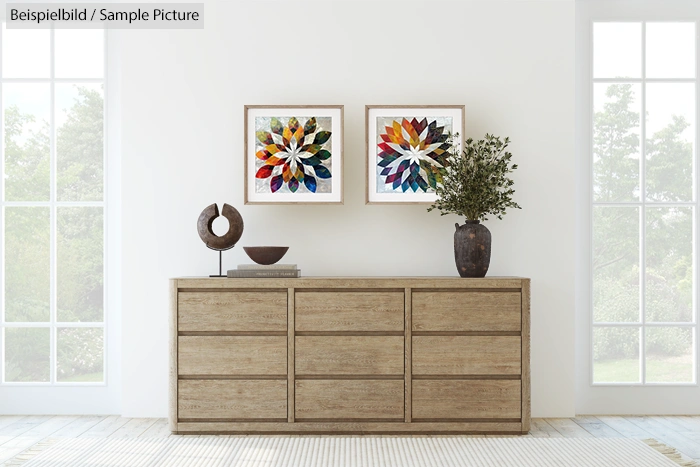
[(229, 239)]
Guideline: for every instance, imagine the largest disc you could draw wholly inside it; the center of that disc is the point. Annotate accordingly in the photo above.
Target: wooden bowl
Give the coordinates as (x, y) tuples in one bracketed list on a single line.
[(265, 254)]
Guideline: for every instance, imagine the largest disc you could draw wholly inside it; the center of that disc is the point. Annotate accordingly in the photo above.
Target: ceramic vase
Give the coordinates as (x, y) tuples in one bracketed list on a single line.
[(472, 249)]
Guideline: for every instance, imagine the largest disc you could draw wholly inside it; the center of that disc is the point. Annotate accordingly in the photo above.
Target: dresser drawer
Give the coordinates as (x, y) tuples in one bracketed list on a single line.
[(349, 311), (207, 399), (455, 399), (349, 355), (466, 355), (232, 355), (349, 399), (232, 311), (466, 311)]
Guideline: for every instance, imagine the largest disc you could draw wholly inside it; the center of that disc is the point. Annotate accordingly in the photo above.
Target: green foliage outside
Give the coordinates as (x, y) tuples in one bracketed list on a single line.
[(79, 149), (79, 241), (80, 264), (616, 266), (666, 370), (79, 354), (476, 182), (27, 268), (27, 354)]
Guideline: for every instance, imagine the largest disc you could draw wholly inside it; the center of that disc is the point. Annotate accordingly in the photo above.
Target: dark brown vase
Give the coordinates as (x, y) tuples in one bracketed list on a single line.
[(472, 249)]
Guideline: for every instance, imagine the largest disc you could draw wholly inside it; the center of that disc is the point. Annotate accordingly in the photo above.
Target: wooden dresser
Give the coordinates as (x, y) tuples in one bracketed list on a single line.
[(350, 355)]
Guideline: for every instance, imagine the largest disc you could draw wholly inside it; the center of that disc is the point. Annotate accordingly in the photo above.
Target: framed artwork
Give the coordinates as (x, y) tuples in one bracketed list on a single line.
[(407, 150), (293, 154)]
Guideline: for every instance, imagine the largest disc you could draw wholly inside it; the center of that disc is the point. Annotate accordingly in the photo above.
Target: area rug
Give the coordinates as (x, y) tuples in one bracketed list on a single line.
[(360, 451)]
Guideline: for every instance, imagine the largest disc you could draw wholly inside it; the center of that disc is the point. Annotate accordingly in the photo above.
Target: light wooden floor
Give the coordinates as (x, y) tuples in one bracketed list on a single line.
[(18, 433)]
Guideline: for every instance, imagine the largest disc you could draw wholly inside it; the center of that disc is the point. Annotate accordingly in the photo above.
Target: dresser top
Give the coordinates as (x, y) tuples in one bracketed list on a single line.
[(351, 282)]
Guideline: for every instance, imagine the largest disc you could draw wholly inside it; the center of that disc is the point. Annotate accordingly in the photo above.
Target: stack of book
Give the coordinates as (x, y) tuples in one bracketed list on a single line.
[(262, 271)]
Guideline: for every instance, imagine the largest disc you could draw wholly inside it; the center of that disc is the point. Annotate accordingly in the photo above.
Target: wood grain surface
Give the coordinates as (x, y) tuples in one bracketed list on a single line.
[(349, 311), (314, 355), (350, 283), (526, 411), (349, 399), (232, 399), (407, 357), (172, 371), (466, 311), (290, 355), (338, 427), (454, 399), (347, 355), (232, 355), (466, 355), (232, 311)]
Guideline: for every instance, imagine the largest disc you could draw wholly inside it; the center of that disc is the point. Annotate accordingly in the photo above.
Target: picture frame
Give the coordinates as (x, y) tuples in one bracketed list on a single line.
[(293, 154), (389, 178)]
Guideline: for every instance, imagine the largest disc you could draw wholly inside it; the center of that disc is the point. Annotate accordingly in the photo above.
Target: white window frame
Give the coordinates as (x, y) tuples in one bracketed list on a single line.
[(642, 204), (80, 398), (642, 397)]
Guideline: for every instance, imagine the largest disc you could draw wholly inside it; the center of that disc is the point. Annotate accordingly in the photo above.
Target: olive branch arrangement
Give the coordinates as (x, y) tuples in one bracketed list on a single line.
[(476, 183)]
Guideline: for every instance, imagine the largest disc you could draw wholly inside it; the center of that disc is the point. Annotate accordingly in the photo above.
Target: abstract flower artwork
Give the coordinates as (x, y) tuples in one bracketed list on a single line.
[(407, 150), (293, 155), (412, 154)]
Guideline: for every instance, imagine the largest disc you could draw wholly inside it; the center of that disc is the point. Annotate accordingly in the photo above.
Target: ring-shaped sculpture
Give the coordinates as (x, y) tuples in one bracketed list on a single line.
[(226, 241)]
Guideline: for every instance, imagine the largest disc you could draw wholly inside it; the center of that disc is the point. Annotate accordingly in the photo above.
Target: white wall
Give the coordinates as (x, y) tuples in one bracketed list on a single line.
[(510, 63)]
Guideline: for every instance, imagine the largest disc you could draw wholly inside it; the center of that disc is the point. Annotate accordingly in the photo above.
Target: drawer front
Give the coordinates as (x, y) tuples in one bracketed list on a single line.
[(349, 311), (349, 399), (466, 311), (466, 355), (349, 355), (232, 355), (454, 399), (232, 399), (232, 311)]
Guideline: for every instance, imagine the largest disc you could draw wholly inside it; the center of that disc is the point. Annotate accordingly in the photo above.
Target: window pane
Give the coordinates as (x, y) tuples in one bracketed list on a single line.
[(80, 355), (79, 264), (670, 140), (669, 264), (670, 50), (79, 53), (26, 141), (669, 354), (79, 142), (27, 264), (616, 136), (615, 264), (617, 50), (26, 53), (616, 355), (27, 354)]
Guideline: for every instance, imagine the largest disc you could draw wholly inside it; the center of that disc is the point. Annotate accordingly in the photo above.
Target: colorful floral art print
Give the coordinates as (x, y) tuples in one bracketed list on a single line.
[(295, 156), (408, 151), (411, 153)]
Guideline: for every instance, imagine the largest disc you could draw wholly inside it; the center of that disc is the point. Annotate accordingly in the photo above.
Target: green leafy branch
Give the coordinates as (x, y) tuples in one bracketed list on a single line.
[(476, 183)]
